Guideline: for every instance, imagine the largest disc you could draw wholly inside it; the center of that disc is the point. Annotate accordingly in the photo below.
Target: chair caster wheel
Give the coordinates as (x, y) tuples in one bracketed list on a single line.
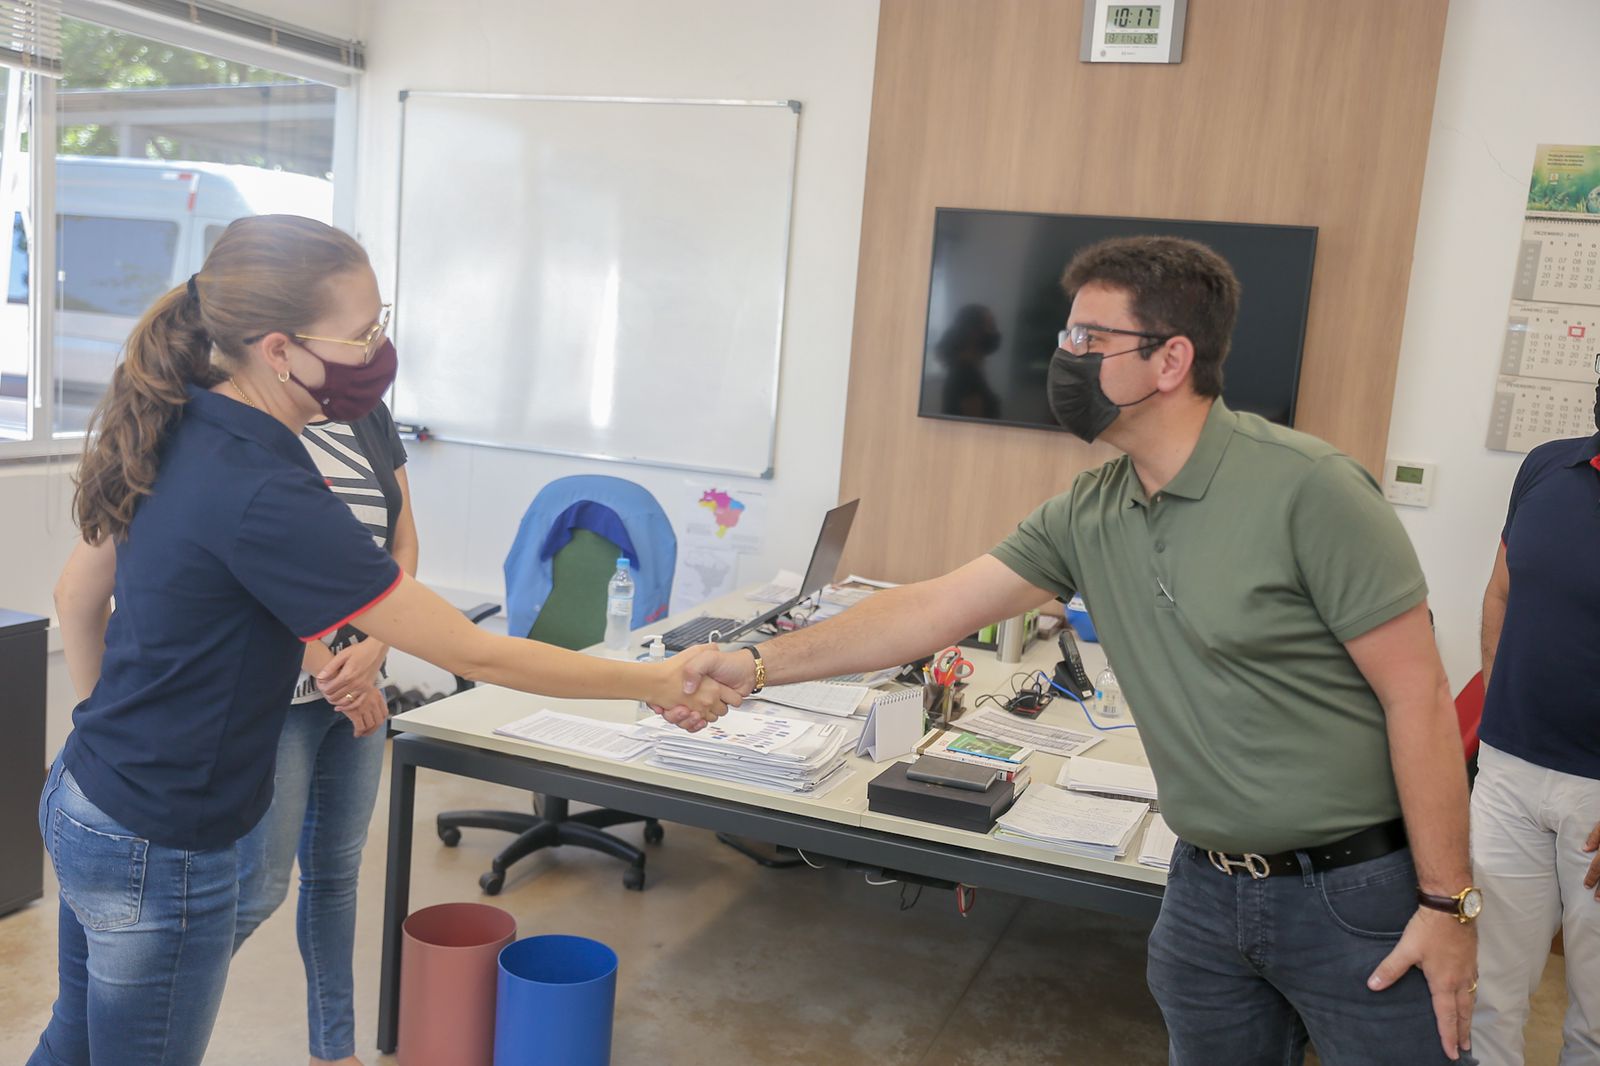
[(492, 883), (653, 833), (633, 879), (449, 835)]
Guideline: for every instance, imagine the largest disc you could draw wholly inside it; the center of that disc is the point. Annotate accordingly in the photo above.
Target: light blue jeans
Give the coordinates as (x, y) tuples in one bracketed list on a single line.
[(327, 780), (145, 933)]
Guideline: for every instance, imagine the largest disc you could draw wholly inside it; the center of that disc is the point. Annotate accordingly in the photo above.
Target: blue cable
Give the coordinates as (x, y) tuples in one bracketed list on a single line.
[(1079, 700)]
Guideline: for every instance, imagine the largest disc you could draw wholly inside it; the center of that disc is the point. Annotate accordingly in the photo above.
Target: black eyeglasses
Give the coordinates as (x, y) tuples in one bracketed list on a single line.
[(1077, 338)]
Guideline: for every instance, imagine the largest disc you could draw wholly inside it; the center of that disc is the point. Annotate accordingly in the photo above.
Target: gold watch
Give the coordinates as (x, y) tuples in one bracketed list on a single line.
[(761, 670), (1465, 905)]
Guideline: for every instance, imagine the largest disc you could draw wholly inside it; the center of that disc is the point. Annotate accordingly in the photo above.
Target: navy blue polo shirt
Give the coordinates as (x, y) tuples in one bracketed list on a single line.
[(239, 555), (1543, 703)]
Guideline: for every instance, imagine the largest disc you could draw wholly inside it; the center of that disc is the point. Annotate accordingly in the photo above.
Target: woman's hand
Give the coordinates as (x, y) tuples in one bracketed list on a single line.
[(683, 686), (351, 671), (367, 711)]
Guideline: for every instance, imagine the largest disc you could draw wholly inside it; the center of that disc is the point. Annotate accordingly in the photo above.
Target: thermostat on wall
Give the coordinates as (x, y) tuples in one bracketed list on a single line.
[(1133, 33), (1408, 483)]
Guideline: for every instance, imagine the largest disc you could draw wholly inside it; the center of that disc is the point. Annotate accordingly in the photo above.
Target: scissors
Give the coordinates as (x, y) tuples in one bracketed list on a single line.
[(950, 666)]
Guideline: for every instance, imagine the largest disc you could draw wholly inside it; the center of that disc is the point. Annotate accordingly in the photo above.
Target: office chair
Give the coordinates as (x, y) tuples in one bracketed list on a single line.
[(572, 616)]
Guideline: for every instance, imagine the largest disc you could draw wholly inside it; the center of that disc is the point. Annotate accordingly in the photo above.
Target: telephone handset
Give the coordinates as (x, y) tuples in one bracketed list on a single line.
[(1070, 674)]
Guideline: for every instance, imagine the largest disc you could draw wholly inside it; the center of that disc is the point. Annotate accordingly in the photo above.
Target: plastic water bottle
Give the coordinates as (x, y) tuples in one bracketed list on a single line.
[(619, 607), (1108, 694)]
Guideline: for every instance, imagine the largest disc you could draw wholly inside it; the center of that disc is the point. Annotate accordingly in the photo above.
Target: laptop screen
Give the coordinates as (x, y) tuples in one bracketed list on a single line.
[(830, 548)]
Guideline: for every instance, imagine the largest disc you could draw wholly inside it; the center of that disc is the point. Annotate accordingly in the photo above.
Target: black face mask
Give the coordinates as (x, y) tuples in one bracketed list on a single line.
[(1076, 399), (1597, 407)]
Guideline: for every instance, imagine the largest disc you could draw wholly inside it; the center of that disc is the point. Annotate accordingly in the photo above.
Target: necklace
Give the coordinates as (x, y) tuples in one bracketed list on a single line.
[(242, 394)]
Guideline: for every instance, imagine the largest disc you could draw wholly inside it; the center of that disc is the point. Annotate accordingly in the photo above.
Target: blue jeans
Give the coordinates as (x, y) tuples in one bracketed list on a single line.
[(145, 933), (1245, 971), (327, 780)]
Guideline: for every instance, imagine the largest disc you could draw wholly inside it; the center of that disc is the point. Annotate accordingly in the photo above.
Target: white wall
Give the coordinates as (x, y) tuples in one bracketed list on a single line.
[(1513, 76), (469, 500)]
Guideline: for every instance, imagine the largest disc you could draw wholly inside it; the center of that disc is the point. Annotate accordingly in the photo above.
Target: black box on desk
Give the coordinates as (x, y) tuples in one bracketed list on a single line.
[(891, 792)]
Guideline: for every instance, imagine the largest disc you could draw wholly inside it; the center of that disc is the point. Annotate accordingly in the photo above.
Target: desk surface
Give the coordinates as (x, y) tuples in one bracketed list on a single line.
[(471, 718)]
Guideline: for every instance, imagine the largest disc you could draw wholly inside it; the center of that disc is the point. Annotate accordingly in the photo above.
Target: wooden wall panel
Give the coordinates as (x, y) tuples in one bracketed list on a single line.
[(1284, 111)]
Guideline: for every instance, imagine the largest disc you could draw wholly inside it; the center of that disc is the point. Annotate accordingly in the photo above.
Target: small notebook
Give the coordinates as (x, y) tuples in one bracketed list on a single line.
[(894, 725)]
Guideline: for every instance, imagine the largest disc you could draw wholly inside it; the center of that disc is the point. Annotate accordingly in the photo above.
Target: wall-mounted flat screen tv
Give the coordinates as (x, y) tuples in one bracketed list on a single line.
[(996, 309)]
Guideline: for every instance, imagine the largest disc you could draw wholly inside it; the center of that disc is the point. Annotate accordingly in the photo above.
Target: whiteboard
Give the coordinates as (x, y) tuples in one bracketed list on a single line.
[(596, 277)]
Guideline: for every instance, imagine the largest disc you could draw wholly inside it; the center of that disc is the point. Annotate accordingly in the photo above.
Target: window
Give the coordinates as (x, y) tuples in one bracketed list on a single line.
[(115, 266), (159, 144)]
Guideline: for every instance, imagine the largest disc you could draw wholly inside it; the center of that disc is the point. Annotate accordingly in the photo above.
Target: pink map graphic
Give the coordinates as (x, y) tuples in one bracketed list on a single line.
[(724, 507)]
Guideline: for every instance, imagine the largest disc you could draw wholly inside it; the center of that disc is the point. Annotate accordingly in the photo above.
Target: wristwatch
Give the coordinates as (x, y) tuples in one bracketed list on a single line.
[(1464, 905), (761, 670)]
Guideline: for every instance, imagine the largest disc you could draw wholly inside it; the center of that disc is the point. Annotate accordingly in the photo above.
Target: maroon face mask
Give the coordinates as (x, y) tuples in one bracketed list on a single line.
[(350, 392)]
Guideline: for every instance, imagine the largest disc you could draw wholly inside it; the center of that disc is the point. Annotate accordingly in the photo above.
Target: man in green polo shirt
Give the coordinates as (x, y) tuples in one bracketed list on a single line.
[(1266, 617)]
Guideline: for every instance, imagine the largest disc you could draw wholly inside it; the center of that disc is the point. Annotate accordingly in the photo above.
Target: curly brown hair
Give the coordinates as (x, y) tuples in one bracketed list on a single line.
[(1175, 287), (266, 273)]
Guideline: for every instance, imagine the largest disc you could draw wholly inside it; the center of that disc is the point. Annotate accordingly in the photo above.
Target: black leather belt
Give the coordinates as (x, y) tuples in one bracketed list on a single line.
[(1371, 843)]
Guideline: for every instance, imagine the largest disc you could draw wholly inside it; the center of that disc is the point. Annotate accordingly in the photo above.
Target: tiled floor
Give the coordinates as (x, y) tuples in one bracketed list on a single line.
[(726, 962)]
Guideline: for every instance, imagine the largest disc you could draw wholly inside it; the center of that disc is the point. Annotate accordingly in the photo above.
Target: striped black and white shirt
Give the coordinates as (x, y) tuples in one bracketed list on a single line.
[(347, 469)]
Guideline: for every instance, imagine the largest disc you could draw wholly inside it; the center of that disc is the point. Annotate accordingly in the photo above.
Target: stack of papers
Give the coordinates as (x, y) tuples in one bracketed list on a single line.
[(603, 740), (1051, 738), (1073, 823), (819, 696), (1115, 779), (1158, 844), (781, 754), (781, 589)]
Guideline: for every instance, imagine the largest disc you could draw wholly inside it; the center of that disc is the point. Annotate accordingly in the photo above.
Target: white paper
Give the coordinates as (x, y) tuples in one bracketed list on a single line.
[(1159, 841), (1051, 817), (784, 587), (1083, 774), (1054, 739), (819, 696), (603, 740), (855, 579)]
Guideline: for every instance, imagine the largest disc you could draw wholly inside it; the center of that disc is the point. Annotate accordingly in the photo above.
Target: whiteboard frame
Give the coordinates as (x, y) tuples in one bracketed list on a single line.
[(783, 281)]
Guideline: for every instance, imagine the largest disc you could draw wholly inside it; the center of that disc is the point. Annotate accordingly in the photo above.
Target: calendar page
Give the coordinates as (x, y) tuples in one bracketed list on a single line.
[(1546, 387)]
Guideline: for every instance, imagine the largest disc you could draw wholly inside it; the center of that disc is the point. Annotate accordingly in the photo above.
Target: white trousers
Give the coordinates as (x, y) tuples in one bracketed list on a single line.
[(1529, 825)]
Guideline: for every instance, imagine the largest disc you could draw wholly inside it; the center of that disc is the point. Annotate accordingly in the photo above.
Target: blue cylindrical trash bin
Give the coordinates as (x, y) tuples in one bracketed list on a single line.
[(555, 1002)]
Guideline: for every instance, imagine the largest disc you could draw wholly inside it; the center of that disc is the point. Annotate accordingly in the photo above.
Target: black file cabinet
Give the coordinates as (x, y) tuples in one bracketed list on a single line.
[(23, 653)]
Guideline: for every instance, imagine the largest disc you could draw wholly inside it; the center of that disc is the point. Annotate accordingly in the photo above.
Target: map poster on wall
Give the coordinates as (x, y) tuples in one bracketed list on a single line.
[(716, 523), (1546, 384)]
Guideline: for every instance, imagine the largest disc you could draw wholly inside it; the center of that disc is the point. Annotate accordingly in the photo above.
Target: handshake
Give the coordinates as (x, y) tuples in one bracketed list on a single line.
[(704, 683)]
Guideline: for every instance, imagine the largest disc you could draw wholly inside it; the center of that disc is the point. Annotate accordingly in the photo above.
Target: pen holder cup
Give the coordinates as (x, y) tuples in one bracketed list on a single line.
[(557, 998), (941, 705), (447, 983)]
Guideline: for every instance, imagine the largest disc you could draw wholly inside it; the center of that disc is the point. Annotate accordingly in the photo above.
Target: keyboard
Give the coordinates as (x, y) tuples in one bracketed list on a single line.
[(698, 631)]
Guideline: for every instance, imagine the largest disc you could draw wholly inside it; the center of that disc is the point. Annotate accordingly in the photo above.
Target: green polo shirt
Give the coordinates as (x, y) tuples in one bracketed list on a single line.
[(1224, 602)]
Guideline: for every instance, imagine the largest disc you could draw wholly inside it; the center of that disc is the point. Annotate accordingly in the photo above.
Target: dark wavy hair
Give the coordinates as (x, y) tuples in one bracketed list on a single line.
[(266, 273), (1175, 287)]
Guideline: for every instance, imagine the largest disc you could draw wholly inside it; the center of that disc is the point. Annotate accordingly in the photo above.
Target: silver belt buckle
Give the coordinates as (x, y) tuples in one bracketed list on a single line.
[(1255, 865)]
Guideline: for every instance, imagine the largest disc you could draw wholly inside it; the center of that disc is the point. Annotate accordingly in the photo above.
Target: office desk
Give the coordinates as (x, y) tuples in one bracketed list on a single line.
[(456, 736)]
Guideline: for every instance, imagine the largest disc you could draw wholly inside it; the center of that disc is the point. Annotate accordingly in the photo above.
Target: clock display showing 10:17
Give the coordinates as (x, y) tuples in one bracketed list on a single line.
[(1125, 17)]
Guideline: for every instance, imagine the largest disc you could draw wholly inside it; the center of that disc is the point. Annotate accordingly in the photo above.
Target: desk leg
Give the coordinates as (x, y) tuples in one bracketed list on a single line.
[(396, 892)]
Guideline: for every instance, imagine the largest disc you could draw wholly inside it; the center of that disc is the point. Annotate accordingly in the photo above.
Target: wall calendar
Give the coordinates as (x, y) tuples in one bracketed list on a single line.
[(1546, 384)]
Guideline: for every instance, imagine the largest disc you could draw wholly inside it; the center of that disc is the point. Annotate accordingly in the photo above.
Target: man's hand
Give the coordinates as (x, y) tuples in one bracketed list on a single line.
[(1446, 951), (351, 671), (367, 712), (1592, 878), (734, 670)]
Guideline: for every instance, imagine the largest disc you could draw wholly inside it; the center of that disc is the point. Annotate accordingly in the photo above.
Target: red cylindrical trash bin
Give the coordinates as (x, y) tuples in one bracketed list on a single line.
[(448, 970)]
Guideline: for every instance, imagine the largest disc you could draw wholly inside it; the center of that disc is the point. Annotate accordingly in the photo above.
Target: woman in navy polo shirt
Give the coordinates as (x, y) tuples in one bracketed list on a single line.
[(203, 514)]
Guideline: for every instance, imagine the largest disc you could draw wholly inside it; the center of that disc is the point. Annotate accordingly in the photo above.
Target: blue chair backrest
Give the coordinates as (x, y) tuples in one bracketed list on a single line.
[(621, 511)]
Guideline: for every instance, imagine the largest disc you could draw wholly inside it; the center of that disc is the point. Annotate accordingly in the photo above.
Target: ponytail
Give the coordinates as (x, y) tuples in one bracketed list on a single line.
[(167, 351), (265, 273)]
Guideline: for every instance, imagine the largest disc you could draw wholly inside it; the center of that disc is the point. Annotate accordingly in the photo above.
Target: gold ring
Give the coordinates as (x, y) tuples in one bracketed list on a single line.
[(348, 696), (1474, 987)]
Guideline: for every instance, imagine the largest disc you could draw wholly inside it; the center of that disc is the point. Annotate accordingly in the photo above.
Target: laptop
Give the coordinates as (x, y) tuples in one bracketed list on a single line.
[(824, 564)]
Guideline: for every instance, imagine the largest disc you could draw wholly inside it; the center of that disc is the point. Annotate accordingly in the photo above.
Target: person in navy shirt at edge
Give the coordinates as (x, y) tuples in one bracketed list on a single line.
[(202, 513), (1536, 802)]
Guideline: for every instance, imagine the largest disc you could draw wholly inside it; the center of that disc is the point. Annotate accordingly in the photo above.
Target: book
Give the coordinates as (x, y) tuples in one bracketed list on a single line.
[(1003, 751)]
